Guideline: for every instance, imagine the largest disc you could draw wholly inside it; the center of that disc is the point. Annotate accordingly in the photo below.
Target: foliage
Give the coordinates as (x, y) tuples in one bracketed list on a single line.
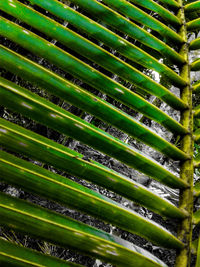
[(97, 117)]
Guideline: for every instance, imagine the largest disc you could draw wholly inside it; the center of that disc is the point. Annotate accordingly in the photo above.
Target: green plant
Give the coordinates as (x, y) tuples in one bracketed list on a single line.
[(147, 41)]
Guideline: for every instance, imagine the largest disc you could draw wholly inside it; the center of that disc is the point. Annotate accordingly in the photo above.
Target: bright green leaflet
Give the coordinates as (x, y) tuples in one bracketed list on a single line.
[(45, 183), (29, 218), (49, 114), (68, 91), (16, 138), (135, 32), (141, 17), (84, 47), (81, 70), (163, 12)]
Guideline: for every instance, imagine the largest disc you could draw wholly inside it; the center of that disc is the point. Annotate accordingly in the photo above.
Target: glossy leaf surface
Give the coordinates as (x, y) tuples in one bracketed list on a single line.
[(45, 183), (192, 6), (83, 71), (159, 9), (58, 119), (127, 57), (16, 138), (31, 219), (141, 17), (120, 23), (62, 88), (88, 49)]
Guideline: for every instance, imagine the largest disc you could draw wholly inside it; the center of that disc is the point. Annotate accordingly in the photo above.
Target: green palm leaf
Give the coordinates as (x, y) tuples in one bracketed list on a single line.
[(135, 53), (139, 16), (49, 114), (195, 66), (192, 6), (172, 3), (88, 49), (195, 44), (14, 255), (116, 118), (45, 183), (82, 71), (117, 22), (64, 89), (163, 12), (36, 221), (193, 25), (16, 138)]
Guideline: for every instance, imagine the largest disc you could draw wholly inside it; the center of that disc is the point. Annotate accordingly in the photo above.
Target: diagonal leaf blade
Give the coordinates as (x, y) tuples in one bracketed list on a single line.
[(163, 12), (83, 46), (120, 23), (78, 97), (14, 255), (83, 71), (193, 25), (49, 114), (16, 138), (38, 222), (45, 183), (195, 44), (134, 13), (195, 66)]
